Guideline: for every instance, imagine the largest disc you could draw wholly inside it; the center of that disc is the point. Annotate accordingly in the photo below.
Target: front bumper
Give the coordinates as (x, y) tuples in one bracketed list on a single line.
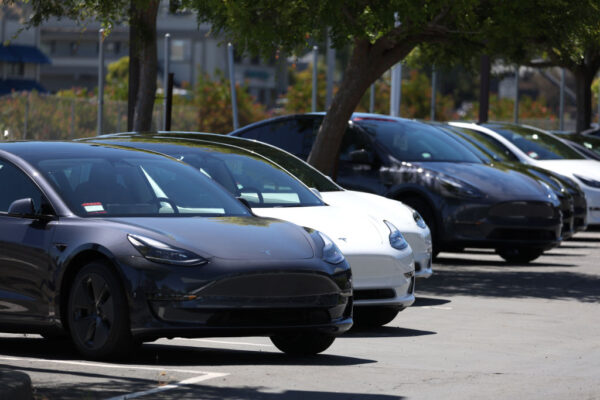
[(505, 224), (592, 196), (203, 301), (383, 279)]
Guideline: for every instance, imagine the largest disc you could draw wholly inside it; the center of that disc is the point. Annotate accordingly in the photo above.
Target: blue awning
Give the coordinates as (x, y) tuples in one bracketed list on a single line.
[(7, 86), (22, 53)]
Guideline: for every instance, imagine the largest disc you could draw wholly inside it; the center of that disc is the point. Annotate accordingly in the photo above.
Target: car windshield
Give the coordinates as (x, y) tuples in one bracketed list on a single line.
[(415, 141), (486, 143), (536, 144), (126, 185), (246, 175)]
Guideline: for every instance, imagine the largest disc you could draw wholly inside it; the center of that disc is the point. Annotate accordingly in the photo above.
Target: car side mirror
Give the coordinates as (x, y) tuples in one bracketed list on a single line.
[(22, 208), (360, 156)]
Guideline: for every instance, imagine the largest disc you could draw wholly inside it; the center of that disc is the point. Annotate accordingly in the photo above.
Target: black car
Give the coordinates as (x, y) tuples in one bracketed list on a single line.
[(465, 202), (572, 198), (118, 246)]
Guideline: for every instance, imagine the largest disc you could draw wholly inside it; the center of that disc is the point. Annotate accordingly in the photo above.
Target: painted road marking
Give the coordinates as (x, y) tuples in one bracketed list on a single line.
[(230, 342), (185, 382), (103, 365)]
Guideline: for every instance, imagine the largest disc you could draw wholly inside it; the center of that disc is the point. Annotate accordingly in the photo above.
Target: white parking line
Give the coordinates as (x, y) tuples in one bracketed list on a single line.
[(190, 381), (102, 365), (230, 342)]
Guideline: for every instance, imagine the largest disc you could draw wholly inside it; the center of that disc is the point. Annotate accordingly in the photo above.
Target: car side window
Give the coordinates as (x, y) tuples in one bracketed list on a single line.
[(354, 142), (293, 135), (17, 185)]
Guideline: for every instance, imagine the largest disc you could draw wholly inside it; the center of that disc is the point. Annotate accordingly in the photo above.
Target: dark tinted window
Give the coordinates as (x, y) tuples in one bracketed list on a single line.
[(294, 135), (536, 144), (353, 141), (242, 173), (130, 186), (490, 145), (414, 141), (16, 185)]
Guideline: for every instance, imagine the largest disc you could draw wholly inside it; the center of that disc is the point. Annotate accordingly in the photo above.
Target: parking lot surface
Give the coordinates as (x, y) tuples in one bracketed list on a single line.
[(480, 329)]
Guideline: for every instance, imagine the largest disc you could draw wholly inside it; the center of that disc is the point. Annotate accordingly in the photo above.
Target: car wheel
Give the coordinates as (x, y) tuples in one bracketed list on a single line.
[(519, 255), (372, 317), (97, 313), (303, 343)]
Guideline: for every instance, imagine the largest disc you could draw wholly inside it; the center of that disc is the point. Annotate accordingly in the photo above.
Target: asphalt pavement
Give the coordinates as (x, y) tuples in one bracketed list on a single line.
[(480, 329)]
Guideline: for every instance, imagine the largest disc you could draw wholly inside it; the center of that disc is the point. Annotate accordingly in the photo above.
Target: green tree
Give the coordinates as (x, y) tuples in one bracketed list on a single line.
[(380, 33)]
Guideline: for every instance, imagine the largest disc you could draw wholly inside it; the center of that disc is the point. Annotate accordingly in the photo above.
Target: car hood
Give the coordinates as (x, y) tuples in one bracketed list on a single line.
[(243, 237), (351, 231), (585, 168), (497, 182), (379, 207)]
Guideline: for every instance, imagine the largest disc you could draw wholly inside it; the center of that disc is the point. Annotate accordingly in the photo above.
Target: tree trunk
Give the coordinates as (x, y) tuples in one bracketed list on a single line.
[(584, 76), (134, 67), (367, 63), (145, 25)]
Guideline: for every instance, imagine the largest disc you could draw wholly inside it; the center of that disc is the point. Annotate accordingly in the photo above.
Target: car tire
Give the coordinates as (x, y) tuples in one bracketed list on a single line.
[(98, 314), (374, 317), (302, 343), (519, 255)]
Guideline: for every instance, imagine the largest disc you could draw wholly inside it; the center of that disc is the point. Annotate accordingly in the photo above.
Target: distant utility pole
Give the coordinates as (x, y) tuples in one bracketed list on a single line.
[(561, 111), (516, 109), (166, 78), (100, 80), (234, 110), (396, 88), (314, 78), (330, 70), (484, 89), (433, 89), (372, 99)]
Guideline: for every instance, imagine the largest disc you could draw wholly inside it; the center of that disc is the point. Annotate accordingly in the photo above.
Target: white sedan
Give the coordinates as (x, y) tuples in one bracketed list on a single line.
[(534, 146)]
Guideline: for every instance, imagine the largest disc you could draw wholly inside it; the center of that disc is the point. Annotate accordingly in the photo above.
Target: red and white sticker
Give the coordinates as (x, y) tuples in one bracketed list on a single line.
[(93, 208)]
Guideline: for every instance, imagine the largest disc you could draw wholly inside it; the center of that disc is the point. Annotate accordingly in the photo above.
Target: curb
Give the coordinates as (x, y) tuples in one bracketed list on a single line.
[(15, 385)]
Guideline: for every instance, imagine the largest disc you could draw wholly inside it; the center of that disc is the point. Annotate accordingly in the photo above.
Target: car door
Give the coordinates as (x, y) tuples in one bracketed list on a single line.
[(359, 163), (24, 243)]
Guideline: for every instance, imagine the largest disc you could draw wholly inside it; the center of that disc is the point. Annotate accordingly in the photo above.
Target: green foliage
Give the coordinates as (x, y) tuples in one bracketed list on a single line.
[(416, 96), (502, 109), (117, 80), (265, 26), (212, 102)]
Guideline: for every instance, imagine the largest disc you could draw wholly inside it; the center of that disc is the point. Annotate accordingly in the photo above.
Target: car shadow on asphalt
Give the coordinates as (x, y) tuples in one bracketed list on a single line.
[(122, 386), (563, 285), (152, 354), (428, 301), (384, 331), (466, 262)]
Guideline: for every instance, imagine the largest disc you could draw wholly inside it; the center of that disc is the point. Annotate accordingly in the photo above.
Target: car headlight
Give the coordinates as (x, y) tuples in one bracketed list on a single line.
[(588, 181), (419, 220), (550, 193), (163, 253), (455, 188), (331, 253), (397, 240)]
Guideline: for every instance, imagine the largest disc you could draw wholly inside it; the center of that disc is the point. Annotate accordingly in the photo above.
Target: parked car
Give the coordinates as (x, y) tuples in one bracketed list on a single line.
[(465, 202), (120, 246), (381, 259), (409, 221), (572, 198), (535, 147), (588, 145)]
